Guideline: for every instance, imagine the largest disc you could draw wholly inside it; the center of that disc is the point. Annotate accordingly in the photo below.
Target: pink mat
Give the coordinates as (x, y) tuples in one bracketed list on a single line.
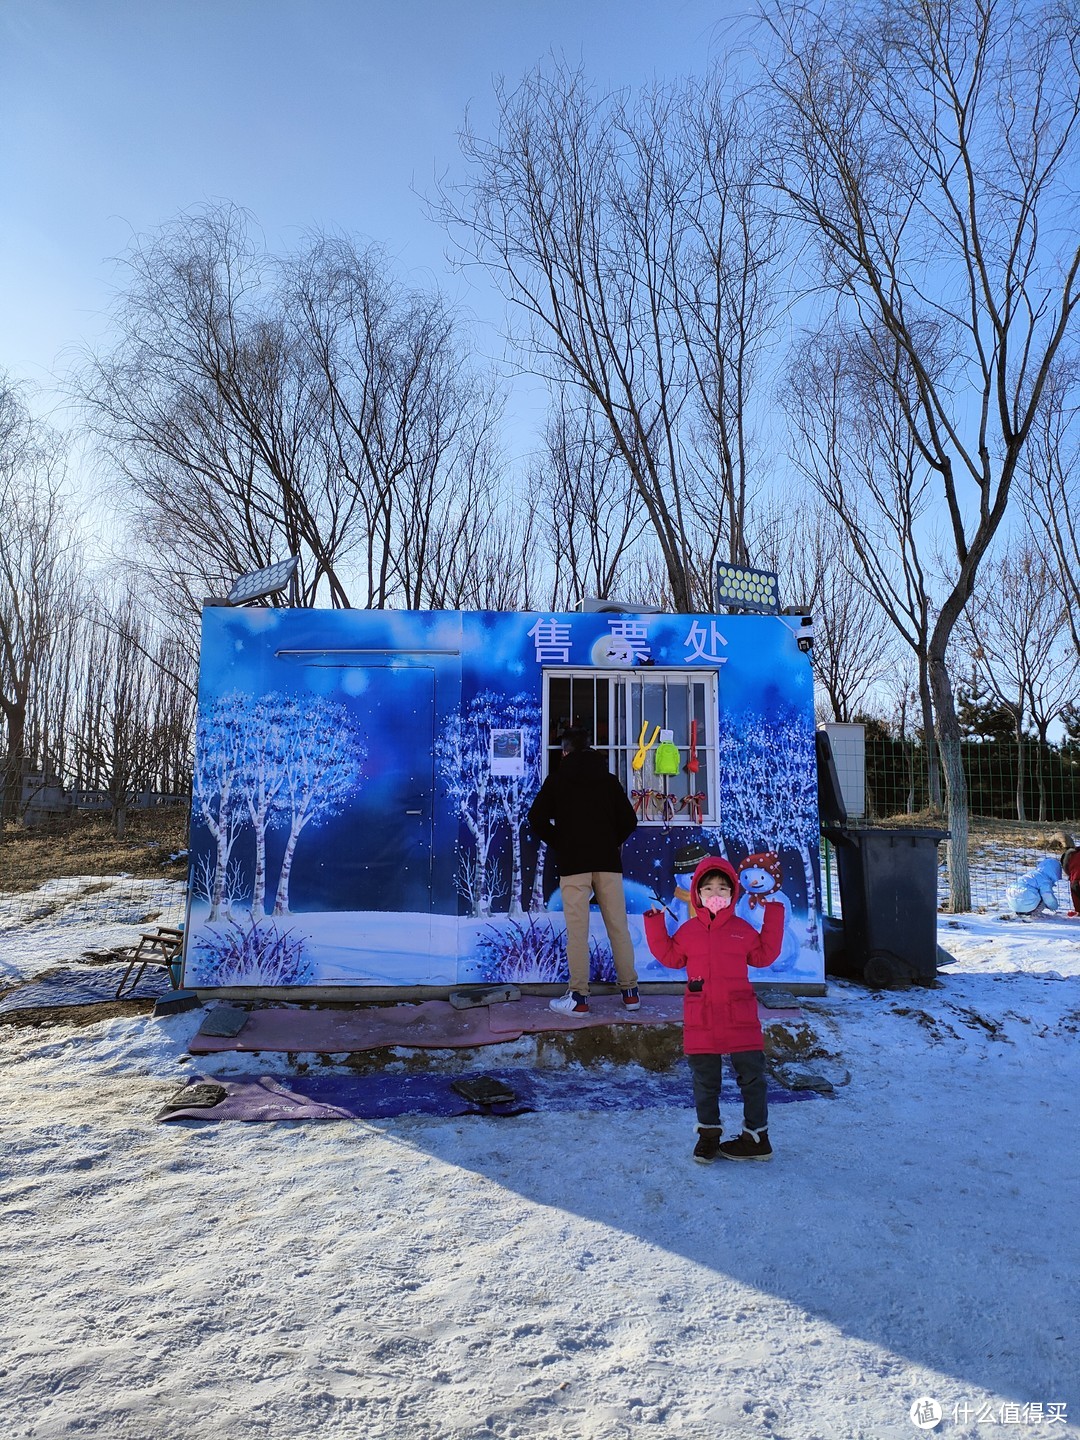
[(437, 1025), (531, 1014), (432, 1025)]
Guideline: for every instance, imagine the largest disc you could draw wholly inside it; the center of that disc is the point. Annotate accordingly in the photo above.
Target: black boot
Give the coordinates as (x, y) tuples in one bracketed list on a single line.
[(750, 1145), (708, 1144)]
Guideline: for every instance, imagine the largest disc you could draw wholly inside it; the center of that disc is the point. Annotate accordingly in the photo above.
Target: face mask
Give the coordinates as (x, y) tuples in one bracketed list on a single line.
[(716, 903)]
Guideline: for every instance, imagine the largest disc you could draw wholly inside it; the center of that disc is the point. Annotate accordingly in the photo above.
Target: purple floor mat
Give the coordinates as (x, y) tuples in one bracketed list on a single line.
[(375, 1097), (85, 986)]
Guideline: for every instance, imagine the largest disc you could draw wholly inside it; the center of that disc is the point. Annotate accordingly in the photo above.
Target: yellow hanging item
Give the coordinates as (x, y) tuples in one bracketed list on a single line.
[(638, 762)]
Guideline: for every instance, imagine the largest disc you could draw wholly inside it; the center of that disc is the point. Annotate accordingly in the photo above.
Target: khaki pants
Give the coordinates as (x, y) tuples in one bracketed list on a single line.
[(577, 890)]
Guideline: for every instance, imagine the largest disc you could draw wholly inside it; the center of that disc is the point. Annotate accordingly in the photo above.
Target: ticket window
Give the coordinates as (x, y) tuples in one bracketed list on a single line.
[(613, 708)]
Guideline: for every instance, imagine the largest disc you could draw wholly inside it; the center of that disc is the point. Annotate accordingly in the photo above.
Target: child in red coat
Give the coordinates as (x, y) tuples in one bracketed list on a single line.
[(1070, 868), (720, 1015)]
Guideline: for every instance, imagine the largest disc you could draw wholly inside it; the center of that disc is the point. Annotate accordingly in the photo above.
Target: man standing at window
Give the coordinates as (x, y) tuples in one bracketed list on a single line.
[(583, 814)]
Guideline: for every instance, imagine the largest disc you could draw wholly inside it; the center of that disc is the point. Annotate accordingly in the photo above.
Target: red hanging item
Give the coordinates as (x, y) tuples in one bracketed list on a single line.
[(692, 763)]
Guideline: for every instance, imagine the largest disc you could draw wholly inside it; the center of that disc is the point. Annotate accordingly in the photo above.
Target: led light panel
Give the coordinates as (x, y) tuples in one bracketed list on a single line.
[(740, 588), (266, 581)]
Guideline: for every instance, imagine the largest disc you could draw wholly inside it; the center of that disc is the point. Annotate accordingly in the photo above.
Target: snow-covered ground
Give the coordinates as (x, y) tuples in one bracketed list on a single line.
[(556, 1275)]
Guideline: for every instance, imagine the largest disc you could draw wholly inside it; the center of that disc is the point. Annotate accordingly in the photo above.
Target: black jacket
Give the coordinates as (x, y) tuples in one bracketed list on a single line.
[(582, 812)]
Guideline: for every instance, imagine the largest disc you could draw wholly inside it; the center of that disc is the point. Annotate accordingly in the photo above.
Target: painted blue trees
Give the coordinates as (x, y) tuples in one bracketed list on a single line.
[(321, 761), (264, 777), (768, 786), (492, 806), (216, 798), (280, 762), (364, 778)]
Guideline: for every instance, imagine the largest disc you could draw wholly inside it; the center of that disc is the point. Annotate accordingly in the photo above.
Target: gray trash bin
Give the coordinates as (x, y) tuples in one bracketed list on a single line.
[(888, 899)]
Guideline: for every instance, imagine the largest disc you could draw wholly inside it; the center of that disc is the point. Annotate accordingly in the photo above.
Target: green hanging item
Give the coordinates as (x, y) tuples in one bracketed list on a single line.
[(666, 759)]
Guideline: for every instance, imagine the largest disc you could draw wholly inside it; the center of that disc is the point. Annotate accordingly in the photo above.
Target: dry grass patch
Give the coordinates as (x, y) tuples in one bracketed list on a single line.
[(85, 845)]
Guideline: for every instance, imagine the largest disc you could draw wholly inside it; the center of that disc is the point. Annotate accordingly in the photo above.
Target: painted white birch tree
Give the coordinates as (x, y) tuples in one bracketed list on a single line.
[(264, 780), (216, 794), (323, 752), (462, 758), (515, 793)]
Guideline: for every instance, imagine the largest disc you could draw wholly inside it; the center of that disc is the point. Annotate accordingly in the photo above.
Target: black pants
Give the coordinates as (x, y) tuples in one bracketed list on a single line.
[(706, 1073)]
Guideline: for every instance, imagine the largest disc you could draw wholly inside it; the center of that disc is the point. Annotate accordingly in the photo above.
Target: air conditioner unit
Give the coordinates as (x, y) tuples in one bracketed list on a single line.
[(593, 605)]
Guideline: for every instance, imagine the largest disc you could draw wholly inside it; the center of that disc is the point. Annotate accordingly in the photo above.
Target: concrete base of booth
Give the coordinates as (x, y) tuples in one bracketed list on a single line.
[(398, 995)]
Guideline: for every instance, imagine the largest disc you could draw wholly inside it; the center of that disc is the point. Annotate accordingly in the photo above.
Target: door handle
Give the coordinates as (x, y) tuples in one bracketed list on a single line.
[(414, 812)]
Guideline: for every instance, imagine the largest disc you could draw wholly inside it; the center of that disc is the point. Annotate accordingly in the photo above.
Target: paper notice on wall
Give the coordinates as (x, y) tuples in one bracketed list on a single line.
[(508, 752)]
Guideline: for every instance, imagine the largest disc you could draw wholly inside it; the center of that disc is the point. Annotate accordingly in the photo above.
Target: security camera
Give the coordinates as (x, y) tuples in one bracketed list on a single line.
[(804, 635)]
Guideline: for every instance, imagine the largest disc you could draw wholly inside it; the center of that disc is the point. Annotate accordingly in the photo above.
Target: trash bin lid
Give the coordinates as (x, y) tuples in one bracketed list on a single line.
[(854, 833)]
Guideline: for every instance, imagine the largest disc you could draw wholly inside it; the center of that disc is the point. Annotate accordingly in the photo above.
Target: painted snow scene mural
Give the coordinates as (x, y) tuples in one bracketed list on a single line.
[(363, 781)]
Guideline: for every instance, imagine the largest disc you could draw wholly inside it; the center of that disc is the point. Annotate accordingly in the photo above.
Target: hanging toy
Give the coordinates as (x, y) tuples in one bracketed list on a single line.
[(694, 805), (638, 762), (666, 759), (692, 763)]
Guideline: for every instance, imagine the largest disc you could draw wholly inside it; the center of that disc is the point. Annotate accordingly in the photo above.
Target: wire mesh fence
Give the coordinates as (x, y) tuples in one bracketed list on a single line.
[(74, 871), (1029, 784), (1024, 804), (999, 853)]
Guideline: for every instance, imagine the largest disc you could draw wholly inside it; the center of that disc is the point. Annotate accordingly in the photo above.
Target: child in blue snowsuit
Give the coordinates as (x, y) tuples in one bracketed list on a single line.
[(1034, 892)]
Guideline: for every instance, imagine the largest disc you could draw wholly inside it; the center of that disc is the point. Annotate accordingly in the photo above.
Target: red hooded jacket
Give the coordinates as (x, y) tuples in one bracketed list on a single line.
[(721, 1018), (1070, 864)]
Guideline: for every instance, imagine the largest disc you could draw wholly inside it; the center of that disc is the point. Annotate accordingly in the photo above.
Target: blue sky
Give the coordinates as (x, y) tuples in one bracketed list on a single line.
[(115, 115)]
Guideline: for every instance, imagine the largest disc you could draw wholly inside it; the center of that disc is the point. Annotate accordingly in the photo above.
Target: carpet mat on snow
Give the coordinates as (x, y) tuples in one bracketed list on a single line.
[(81, 987), (434, 1025), (532, 1014), (380, 1097), (431, 1025)]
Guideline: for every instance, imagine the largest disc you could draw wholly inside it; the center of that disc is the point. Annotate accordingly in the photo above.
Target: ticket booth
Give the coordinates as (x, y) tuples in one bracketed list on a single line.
[(363, 779)]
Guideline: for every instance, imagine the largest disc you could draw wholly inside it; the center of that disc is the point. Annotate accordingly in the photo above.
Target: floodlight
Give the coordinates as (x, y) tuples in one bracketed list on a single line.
[(258, 583), (741, 588)]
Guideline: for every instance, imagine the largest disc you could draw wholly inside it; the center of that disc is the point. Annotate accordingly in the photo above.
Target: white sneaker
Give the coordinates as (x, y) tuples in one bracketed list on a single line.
[(572, 1003)]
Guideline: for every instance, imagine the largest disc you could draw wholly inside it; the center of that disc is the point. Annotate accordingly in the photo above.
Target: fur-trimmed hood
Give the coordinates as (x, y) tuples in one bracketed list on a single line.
[(704, 867)]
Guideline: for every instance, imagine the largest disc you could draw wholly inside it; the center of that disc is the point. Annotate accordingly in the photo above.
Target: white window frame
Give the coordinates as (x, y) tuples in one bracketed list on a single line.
[(620, 752)]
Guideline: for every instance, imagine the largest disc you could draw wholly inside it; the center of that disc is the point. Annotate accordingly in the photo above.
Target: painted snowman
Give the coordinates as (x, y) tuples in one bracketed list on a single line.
[(760, 879)]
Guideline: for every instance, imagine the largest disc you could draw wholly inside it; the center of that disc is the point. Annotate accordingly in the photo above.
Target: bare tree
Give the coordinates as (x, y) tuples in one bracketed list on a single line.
[(634, 238), (210, 413), (1013, 631), (853, 647), (592, 518), (254, 407), (853, 444), (410, 423), (928, 147), (905, 711), (132, 729), (487, 565), (39, 582), (1050, 488)]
